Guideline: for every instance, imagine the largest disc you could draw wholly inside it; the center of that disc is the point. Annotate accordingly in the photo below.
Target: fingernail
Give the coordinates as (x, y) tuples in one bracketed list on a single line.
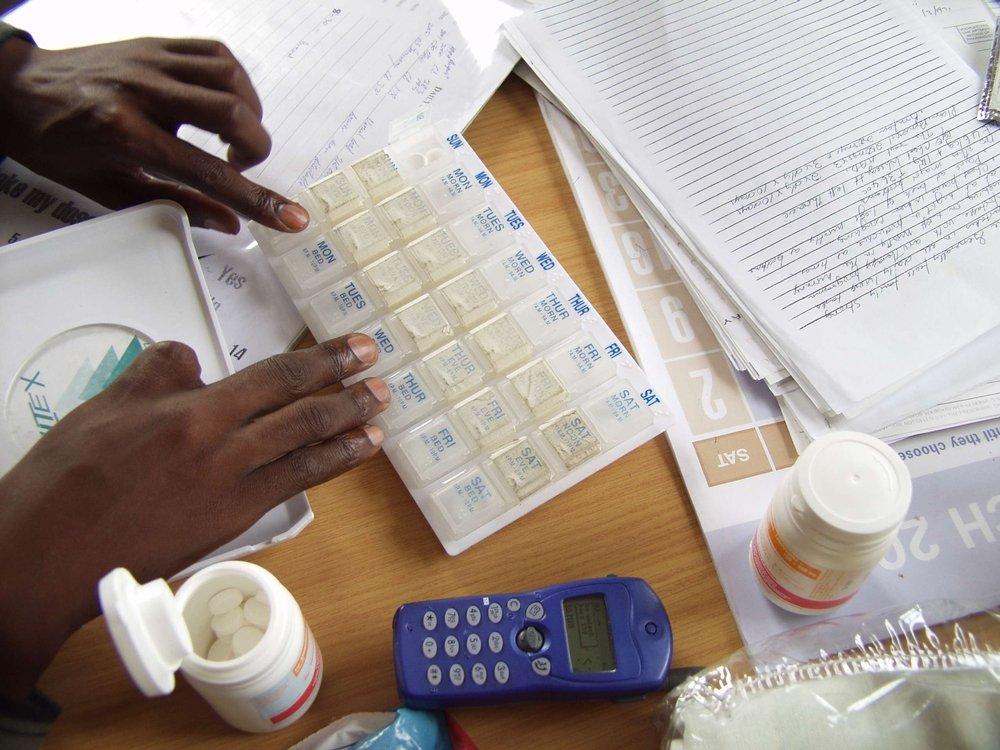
[(293, 216), (363, 348), (375, 435), (378, 388), (220, 226)]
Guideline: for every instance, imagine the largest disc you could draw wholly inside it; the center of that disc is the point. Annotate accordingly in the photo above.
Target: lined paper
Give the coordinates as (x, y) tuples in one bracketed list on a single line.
[(824, 157), (331, 77)]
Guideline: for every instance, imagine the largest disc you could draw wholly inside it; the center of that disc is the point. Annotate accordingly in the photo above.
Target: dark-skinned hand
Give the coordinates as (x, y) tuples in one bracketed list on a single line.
[(103, 120), (160, 469)]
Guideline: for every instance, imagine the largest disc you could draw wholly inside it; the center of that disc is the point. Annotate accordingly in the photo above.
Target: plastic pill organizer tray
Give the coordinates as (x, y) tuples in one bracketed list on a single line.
[(507, 387)]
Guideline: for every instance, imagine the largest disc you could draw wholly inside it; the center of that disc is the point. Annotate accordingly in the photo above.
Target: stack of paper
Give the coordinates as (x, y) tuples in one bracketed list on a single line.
[(818, 176)]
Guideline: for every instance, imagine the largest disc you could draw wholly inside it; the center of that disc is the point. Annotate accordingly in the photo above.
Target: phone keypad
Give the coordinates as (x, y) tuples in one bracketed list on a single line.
[(479, 674), (467, 641), (473, 615), (430, 647)]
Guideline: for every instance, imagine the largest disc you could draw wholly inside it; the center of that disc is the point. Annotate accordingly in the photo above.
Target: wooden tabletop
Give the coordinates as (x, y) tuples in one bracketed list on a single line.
[(370, 550)]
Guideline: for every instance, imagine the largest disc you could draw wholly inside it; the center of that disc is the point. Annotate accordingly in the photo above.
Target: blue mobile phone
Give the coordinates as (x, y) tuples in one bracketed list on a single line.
[(597, 638)]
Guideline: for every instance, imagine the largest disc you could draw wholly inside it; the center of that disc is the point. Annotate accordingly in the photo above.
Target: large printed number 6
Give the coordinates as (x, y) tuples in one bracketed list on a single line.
[(677, 320)]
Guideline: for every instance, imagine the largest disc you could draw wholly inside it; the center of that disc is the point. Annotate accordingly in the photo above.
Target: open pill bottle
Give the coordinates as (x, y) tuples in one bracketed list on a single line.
[(830, 522), (158, 633)]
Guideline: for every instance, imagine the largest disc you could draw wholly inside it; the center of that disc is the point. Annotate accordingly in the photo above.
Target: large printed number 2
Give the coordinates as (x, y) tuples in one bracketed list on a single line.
[(714, 408), (677, 320)]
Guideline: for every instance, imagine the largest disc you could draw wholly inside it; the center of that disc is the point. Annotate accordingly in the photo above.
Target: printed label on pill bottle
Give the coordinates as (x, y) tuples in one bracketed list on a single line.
[(792, 580), (290, 695)]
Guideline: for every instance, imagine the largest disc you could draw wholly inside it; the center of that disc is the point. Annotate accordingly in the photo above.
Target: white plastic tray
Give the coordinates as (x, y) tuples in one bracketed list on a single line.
[(77, 304)]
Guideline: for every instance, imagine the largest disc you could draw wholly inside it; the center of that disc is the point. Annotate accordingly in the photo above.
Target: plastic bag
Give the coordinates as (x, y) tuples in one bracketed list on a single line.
[(404, 729), (902, 683)]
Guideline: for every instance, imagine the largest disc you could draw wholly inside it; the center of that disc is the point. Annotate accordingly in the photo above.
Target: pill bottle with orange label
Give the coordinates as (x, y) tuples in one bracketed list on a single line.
[(831, 521), (232, 630)]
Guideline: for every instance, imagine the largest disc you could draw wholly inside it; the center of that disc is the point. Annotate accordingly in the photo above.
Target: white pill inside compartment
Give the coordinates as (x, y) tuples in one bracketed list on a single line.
[(438, 255), (342, 307), (379, 175), (455, 369), (619, 412), (367, 237), (409, 214), (539, 388), (503, 343), (522, 467), (425, 322), (434, 448), (469, 500), (337, 197), (572, 438), (394, 279), (412, 398), (471, 298), (487, 418)]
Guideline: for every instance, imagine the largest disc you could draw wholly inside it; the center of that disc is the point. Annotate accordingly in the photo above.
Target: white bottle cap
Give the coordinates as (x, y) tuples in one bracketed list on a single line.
[(855, 485), (147, 628)]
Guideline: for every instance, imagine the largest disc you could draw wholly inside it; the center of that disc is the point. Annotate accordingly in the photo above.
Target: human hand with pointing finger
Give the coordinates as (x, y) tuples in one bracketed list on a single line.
[(103, 120)]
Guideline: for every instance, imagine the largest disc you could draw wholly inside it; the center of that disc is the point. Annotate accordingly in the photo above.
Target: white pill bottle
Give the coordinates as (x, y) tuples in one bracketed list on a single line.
[(830, 522), (158, 633)]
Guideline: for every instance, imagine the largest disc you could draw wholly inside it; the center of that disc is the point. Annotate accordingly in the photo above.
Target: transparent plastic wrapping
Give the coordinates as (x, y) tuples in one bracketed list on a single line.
[(885, 679)]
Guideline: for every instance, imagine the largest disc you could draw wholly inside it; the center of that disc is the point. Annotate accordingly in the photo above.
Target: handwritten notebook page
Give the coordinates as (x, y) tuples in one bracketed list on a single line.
[(824, 158), (331, 76)]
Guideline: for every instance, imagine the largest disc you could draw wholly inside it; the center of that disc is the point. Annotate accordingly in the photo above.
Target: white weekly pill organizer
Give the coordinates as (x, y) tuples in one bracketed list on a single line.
[(507, 387)]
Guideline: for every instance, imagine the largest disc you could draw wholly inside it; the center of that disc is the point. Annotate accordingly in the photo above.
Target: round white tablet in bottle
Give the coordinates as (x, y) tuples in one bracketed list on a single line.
[(158, 633), (831, 521)]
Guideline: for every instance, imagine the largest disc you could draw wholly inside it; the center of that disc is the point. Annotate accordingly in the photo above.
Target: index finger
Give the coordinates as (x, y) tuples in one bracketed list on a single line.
[(280, 380)]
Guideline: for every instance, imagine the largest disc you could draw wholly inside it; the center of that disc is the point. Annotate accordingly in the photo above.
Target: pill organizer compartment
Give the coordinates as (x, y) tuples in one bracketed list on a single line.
[(340, 309), (335, 198), (506, 387)]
